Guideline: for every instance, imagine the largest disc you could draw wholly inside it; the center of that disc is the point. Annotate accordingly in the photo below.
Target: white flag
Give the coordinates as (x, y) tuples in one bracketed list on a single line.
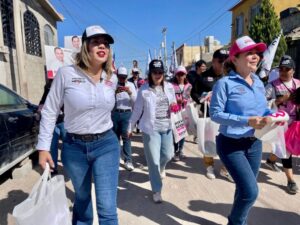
[(149, 58), (269, 55)]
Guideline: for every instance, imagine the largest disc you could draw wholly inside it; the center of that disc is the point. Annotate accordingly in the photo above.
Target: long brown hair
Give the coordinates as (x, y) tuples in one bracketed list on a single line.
[(83, 59), (151, 83)]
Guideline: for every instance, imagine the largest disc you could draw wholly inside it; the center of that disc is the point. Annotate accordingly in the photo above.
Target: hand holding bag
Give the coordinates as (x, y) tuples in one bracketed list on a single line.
[(47, 203), (207, 130)]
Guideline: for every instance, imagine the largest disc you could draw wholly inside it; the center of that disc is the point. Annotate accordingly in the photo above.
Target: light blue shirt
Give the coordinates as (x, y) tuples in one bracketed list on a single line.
[(234, 101)]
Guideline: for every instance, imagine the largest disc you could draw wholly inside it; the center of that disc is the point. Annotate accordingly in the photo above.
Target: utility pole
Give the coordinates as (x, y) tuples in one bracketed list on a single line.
[(164, 31)]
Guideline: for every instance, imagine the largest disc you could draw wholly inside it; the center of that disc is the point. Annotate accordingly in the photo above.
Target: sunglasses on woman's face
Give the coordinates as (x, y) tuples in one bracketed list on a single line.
[(284, 69), (158, 73), (180, 74)]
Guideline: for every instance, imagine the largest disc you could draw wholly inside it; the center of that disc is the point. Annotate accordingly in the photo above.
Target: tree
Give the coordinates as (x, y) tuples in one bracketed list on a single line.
[(265, 27)]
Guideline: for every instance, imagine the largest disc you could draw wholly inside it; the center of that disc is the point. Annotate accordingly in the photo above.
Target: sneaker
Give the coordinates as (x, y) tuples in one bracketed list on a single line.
[(182, 156), (162, 174), (176, 158), (157, 197), (210, 172), (292, 187), (128, 166), (272, 165), (224, 173)]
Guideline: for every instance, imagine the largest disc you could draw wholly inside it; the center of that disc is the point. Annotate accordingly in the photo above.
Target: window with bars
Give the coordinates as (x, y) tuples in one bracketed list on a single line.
[(32, 34), (7, 16)]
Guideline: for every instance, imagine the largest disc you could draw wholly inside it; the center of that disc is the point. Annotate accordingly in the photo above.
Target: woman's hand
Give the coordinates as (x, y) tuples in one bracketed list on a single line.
[(45, 157), (283, 99), (257, 122), (174, 108), (129, 134)]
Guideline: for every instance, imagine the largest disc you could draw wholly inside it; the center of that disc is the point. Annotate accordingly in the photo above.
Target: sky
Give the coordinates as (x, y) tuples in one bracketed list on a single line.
[(136, 25)]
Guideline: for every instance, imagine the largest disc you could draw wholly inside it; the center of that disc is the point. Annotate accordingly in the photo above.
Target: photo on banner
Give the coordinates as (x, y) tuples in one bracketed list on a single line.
[(56, 57), (73, 43)]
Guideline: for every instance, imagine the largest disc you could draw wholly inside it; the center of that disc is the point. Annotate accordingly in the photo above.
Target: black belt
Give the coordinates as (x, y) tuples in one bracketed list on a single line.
[(122, 110), (240, 139), (88, 137)]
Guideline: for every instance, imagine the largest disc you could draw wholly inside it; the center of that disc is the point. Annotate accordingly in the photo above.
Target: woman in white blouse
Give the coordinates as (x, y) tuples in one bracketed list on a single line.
[(90, 149), (152, 109)]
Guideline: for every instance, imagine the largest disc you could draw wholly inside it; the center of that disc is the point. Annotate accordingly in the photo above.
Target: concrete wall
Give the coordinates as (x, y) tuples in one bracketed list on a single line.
[(188, 55), (20, 71), (290, 23)]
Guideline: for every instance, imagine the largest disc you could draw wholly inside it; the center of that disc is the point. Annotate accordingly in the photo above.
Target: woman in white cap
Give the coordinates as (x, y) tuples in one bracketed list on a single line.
[(239, 105), (90, 149), (152, 107), (182, 90), (283, 91)]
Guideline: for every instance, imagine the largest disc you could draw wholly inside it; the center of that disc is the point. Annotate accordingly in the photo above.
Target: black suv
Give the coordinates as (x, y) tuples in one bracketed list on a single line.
[(18, 128)]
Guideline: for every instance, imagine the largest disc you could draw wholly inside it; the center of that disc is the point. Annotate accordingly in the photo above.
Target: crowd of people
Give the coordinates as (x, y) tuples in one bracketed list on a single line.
[(102, 108)]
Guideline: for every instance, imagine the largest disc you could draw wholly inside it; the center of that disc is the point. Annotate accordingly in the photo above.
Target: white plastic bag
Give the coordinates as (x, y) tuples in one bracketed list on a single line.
[(178, 127), (47, 203), (273, 134), (207, 130), (190, 116)]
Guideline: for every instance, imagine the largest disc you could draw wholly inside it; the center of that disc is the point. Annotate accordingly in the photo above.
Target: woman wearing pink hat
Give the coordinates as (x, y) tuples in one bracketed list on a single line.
[(183, 95), (239, 105)]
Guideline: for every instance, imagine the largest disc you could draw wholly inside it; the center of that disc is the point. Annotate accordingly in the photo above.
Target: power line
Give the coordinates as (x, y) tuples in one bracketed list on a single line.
[(125, 28), (68, 12), (209, 24)]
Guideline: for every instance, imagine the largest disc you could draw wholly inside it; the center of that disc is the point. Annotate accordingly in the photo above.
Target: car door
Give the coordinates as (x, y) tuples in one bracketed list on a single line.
[(19, 120), (4, 141)]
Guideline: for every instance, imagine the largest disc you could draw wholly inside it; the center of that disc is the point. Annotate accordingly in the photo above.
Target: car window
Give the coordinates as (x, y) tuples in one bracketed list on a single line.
[(8, 98)]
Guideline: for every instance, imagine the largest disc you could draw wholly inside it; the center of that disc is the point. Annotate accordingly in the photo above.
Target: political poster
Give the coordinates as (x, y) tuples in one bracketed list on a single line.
[(57, 57)]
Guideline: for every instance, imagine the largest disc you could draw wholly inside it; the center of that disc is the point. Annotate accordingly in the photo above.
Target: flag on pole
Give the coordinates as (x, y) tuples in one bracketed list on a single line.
[(268, 57), (174, 63)]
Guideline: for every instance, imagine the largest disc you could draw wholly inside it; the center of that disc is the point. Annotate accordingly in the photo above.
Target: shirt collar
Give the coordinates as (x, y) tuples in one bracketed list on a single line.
[(235, 75)]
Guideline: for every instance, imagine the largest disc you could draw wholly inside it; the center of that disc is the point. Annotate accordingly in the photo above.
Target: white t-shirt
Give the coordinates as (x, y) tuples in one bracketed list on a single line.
[(162, 112)]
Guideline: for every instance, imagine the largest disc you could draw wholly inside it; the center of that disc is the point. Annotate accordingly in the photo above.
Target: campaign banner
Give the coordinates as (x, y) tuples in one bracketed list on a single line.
[(57, 57), (73, 43)]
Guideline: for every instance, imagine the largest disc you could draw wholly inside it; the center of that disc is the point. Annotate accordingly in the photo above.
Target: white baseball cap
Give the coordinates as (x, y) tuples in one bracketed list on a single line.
[(122, 71), (96, 30)]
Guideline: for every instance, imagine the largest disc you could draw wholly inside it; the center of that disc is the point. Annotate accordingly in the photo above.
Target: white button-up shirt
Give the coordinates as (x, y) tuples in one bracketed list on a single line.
[(124, 100), (87, 105)]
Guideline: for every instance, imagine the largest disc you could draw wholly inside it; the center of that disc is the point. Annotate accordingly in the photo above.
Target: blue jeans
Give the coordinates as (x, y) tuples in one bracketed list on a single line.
[(242, 159), (59, 132), (100, 159), (121, 123), (158, 151), (178, 147)]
